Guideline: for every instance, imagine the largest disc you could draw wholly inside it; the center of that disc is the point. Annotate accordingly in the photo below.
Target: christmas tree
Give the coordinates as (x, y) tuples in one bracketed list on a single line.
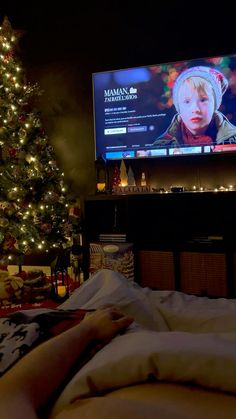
[(33, 206)]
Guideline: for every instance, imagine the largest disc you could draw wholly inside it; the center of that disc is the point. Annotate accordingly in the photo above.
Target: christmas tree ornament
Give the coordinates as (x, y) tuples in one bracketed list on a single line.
[(46, 228), (13, 195), (4, 222), (9, 242)]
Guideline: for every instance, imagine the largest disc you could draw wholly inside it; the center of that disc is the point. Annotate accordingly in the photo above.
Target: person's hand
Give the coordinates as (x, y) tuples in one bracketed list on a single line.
[(106, 323)]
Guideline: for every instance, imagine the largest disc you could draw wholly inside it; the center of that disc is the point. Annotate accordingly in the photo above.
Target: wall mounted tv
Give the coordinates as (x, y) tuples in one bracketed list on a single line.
[(176, 108)]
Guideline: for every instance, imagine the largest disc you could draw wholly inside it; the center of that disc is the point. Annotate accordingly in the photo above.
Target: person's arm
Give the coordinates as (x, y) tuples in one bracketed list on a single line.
[(29, 384)]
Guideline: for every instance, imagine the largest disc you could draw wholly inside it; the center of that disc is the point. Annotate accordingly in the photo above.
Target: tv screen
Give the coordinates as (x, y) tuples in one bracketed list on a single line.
[(177, 108)]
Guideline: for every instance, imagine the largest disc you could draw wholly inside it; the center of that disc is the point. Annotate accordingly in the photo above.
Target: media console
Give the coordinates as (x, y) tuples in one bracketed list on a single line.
[(183, 241)]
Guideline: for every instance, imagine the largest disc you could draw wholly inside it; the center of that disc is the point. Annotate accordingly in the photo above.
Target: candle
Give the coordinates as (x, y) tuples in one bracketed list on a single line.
[(101, 187), (61, 290)]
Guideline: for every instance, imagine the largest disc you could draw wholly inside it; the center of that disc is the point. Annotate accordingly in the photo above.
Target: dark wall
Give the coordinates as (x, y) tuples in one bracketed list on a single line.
[(63, 44), (66, 107)]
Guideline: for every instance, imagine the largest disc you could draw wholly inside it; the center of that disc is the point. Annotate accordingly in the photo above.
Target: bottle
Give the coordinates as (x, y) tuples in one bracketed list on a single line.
[(143, 179)]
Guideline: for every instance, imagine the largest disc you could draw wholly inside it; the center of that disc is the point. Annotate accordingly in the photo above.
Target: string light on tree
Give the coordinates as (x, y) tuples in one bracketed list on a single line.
[(33, 207)]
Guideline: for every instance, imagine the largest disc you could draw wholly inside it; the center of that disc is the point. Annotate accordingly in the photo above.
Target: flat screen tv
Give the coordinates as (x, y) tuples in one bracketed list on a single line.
[(176, 108)]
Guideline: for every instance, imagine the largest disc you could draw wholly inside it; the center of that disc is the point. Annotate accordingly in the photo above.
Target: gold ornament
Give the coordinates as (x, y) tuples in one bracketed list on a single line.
[(4, 222), (12, 195), (22, 134)]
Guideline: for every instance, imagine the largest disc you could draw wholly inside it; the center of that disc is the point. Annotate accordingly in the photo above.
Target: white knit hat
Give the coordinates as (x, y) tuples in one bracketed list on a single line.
[(217, 80)]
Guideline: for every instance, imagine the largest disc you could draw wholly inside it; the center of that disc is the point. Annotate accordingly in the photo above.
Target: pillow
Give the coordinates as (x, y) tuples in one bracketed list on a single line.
[(109, 287), (190, 313)]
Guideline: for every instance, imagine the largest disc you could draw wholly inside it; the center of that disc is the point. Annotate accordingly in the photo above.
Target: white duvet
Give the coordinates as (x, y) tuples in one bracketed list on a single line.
[(175, 337)]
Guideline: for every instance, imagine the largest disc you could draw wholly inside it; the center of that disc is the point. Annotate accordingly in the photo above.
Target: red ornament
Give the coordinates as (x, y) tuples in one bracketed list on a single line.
[(22, 118), (24, 204), (12, 152), (46, 228), (9, 242)]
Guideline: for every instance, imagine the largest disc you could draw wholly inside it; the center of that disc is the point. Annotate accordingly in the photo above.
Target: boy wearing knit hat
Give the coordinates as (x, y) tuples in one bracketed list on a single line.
[(197, 96)]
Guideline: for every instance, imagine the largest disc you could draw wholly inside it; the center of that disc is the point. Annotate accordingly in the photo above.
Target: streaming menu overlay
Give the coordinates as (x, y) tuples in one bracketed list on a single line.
[(124, 153)]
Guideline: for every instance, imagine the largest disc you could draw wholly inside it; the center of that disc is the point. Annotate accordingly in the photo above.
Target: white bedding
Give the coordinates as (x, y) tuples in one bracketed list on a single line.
[(175, 337)]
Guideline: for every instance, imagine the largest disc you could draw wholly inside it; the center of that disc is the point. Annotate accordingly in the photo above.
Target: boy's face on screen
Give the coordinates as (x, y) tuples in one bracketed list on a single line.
[(196, 108)]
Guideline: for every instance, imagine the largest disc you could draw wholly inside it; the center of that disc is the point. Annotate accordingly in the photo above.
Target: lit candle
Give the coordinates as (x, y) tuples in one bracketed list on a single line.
[(61, 290), (101, 187)]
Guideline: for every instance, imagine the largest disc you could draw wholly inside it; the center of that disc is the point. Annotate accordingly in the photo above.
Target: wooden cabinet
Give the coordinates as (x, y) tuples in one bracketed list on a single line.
[(184, 241), (203, 273)]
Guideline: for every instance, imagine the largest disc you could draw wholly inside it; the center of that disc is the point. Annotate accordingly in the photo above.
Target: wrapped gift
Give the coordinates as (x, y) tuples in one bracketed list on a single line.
[(116, 256)]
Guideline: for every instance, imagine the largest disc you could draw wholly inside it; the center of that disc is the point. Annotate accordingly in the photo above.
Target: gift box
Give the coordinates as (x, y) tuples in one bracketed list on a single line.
[(116, 256)]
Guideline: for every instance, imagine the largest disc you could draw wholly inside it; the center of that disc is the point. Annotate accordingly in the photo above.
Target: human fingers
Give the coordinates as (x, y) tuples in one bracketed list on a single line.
[(122, 323), (106, 323), (119, 318), (114, 312)]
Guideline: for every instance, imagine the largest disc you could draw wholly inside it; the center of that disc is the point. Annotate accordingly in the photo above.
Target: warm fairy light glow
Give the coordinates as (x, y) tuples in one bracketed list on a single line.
[(32, 212)]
